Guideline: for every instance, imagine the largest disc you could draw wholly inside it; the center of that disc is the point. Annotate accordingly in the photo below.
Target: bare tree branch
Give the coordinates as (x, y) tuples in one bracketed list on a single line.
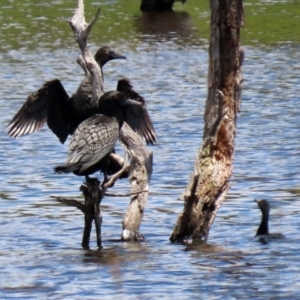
[(140, 175), (87, 61), (70, 202)]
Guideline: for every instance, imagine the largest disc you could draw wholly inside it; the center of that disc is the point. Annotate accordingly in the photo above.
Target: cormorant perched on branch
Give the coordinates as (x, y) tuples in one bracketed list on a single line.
[(52, 104), (95, 138), (263, 228)]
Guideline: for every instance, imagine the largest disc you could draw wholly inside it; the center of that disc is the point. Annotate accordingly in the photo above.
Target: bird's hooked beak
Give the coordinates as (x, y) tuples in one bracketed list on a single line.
[(257, 201), (129, 101), (115, 55)]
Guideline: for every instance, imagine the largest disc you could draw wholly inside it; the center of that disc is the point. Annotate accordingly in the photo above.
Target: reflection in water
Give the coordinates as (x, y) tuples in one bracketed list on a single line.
[(166, 25), (203, 247), (158, 5)]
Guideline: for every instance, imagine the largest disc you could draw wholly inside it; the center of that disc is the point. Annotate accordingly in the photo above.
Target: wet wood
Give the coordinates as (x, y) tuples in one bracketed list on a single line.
[(93, 193), (209, 182), (140, 175)]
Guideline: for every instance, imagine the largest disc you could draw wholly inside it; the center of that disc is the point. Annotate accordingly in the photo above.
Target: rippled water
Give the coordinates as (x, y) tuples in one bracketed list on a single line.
[(40, 252)]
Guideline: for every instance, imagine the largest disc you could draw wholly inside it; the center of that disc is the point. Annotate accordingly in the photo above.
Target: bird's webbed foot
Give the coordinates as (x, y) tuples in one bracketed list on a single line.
[(110, 181)]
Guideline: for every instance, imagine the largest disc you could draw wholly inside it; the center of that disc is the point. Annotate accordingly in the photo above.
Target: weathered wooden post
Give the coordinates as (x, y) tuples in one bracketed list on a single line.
[(209, 182), (140, 175)]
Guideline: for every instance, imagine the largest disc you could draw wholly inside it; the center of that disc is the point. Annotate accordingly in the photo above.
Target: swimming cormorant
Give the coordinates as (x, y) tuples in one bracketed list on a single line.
[(263, 229), (95, 138), (52, 104)]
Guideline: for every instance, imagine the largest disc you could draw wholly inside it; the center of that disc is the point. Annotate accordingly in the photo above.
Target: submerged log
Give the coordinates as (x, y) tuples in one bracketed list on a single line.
[(209, 182)]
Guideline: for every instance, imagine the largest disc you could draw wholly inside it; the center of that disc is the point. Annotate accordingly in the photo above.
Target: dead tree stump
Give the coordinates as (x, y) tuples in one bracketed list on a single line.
[(140, 175), (92, 199), (93, 194), (141, 158), (209, 182)]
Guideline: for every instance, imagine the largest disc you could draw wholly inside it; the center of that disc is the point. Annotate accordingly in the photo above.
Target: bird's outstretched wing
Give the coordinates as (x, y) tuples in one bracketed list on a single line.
[(59, 111), (48, 104), (137, 117)]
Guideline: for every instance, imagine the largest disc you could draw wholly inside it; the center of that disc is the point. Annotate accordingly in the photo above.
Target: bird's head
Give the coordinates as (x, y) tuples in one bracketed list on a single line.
[(111, 102), (124, 85), (263, 204), (105, 54)]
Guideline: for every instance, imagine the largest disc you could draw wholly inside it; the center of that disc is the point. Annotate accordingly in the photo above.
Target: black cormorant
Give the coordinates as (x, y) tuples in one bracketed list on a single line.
[(263, 229), (138, 119), (95, 138), (52, 104)]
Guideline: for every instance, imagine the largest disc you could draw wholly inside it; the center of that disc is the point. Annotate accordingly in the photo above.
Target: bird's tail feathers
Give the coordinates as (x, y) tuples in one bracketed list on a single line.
[(68, 168)]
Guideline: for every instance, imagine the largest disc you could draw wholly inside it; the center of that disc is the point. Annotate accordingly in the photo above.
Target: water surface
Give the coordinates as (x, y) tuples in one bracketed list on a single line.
[(40, 252)]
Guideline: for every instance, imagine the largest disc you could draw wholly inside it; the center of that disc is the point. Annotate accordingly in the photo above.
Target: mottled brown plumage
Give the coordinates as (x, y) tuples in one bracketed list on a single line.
[(95, 138)]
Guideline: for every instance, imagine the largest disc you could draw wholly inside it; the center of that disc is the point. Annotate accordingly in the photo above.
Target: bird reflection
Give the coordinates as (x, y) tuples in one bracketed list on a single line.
[(165, 24)]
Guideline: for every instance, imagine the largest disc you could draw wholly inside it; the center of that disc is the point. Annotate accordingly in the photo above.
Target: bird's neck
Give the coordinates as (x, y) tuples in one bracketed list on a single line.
[(264, 225), (115, 113)]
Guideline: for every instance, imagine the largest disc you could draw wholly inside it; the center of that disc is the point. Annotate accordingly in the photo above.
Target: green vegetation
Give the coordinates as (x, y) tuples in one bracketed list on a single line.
[(271, 22), (268, 23)]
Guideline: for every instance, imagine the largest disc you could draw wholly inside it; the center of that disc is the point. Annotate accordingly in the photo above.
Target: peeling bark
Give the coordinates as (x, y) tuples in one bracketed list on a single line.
[(209, 182), (86, 59), (140, 175)]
